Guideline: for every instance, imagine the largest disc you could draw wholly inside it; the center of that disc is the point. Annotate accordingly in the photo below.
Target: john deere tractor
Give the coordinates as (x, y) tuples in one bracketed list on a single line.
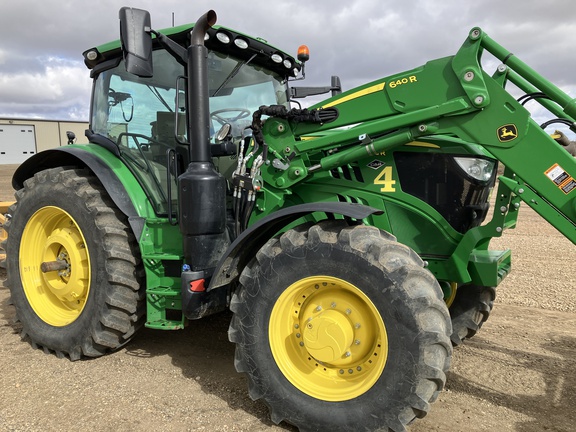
[(350, 239)]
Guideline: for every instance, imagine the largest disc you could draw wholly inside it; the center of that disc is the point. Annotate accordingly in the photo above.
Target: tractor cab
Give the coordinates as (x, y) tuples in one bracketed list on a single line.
[(144, 119)]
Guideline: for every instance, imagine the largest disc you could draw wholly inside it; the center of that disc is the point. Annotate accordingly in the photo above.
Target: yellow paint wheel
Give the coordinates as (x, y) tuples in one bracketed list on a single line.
[(58, 297), (73, 266), (339, 327), (328, 338), (449, 289)]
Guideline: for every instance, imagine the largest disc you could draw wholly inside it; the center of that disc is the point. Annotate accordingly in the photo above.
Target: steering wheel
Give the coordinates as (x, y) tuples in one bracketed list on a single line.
[(242, 113)]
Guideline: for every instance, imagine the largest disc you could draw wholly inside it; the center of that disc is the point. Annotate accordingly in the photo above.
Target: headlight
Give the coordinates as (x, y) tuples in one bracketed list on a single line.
[(479, 169)]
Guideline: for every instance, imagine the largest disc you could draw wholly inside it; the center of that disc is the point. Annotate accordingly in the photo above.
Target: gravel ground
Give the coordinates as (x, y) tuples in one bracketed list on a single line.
[(517, 374)]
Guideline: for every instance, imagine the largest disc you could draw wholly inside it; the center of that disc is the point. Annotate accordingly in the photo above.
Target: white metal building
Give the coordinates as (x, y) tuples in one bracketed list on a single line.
[(21, 138)]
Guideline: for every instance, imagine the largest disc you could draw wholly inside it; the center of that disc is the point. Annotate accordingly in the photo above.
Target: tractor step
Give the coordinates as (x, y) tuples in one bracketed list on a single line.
[(164, 309)]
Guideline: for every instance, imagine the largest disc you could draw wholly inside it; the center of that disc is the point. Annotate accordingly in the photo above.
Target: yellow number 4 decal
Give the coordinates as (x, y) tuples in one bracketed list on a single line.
[(385, 179)]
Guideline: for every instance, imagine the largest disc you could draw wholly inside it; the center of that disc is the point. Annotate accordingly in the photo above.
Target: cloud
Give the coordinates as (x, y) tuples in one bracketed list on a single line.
[(58, 90), (360, 41)]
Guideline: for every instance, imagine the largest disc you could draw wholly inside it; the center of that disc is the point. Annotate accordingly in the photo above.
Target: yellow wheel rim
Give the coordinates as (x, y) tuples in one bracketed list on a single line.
[(328, 338), (449, 293), (57, 297)]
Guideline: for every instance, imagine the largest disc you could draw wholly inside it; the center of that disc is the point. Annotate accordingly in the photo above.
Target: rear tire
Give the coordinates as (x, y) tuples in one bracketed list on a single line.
[(341, 328), (470, 310), (96, 304)]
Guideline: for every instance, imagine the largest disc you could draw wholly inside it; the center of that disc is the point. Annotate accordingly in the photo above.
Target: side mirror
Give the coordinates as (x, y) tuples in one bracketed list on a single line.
[(335, 85), (136, 38), (302, 92), (71, 137)]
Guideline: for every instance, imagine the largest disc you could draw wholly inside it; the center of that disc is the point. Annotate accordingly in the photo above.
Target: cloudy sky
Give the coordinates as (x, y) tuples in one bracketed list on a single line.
[(42, 74)]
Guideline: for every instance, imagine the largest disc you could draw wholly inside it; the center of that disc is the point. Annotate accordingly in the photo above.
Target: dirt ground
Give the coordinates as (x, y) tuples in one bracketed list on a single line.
[(517, 374)]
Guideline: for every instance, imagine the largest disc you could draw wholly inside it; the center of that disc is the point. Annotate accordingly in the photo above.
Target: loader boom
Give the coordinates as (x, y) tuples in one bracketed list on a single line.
[(451, 99)]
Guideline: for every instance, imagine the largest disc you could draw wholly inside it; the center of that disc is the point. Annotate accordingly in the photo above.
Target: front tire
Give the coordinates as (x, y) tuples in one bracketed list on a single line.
[(341, 328), (470, 310), (91, 304)]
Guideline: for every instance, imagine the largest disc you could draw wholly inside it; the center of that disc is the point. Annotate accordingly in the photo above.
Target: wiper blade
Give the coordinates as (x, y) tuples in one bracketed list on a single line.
[(233, 74), (156, 93)]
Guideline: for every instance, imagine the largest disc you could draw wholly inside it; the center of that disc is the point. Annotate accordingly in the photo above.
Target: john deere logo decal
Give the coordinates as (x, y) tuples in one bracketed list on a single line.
[(507, 133)]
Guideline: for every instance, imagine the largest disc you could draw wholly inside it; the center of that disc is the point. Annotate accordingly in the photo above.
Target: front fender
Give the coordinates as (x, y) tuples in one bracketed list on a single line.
[(244, 248)]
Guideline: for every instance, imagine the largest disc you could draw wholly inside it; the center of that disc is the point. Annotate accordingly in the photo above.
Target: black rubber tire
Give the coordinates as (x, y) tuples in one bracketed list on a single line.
[(407, 297), (115, 305), (470, 310)]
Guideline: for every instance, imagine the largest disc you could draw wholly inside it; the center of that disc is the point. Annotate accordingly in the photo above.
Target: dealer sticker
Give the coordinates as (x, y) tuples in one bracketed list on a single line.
[(561, 178)]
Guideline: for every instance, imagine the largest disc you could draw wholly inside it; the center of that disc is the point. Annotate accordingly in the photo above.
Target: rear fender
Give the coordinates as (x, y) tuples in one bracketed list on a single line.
[(77, 156), (244, 248)]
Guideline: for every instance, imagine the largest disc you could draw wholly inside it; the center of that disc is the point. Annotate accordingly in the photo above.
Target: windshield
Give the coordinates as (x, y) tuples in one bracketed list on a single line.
[(138, 114)]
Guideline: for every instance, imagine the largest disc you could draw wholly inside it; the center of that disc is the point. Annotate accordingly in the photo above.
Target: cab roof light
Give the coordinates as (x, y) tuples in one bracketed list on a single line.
[(276, 58), (241, 43), (92, 55), (223, 37)]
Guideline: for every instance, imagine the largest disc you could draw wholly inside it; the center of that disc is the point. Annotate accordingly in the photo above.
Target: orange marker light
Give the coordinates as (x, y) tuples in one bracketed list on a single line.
[(303, 53), (197, 285)]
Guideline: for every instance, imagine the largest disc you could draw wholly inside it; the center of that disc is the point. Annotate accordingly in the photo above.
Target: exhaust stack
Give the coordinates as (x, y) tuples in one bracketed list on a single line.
[(198, 97), (202, 190)]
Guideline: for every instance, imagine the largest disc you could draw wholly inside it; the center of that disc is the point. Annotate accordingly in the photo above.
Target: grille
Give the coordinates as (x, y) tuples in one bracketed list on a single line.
[(436, 179)]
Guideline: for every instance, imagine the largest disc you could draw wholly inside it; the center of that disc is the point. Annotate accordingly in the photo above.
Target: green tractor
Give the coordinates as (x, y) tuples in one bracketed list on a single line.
[(350, 239)]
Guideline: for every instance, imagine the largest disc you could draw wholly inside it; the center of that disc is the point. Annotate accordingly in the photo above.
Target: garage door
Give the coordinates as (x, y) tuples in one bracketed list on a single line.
[(17, 143)]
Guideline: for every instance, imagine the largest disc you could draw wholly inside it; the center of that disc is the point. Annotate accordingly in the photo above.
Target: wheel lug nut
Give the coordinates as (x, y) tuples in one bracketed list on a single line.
[(347, 354), (348, 311), (297, 335), (333, 305), (357, 325), (350, 371), (296, 326), (301, 344), (357, 342), (318, 308), (359, 368), (341, 371)]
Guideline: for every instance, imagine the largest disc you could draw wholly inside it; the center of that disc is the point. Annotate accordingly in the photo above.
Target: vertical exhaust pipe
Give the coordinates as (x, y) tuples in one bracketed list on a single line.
[(201, 189), (198, 97)]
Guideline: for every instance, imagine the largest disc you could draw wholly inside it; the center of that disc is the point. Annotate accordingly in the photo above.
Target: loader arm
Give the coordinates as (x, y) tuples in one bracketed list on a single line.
[(449, 98)]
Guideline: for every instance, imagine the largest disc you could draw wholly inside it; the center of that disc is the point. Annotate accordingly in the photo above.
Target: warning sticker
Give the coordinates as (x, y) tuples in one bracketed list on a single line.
[(561, 178)]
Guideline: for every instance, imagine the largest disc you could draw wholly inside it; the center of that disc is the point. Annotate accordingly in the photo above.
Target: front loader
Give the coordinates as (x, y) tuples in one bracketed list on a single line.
[(350, 239)]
